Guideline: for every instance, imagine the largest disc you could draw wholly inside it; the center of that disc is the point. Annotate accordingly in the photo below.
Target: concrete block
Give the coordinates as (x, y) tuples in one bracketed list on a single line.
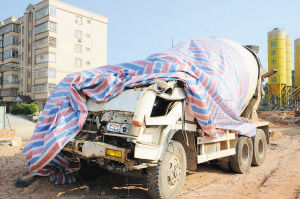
[(7, 133), (16, 141)]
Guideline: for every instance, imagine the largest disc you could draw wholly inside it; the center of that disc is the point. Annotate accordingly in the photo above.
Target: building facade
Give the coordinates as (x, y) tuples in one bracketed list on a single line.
[(51, 40), (9, 59)]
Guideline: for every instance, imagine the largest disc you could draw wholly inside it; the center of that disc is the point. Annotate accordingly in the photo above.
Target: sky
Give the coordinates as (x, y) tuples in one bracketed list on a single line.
[(139, 28)]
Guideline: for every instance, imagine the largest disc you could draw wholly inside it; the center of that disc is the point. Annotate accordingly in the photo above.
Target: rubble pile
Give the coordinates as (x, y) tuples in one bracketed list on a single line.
[(279, 118)]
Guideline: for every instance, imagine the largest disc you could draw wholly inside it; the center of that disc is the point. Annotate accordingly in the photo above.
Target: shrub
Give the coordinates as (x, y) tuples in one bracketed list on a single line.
[(24, 109)]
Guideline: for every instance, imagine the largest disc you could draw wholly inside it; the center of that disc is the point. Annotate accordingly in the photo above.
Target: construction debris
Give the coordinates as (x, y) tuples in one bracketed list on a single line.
[(8, 137)]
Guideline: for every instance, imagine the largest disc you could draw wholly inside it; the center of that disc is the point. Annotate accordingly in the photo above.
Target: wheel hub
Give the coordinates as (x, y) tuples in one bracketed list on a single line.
[(174, 171), (245, 152)]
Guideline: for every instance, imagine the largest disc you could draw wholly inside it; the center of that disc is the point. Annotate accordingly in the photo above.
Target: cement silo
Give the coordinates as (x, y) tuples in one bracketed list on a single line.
[(288, 64), (297, 63), (277, 60)]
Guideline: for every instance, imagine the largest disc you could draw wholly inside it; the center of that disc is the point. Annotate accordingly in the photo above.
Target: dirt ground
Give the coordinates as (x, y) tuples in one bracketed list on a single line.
[(278, 177)]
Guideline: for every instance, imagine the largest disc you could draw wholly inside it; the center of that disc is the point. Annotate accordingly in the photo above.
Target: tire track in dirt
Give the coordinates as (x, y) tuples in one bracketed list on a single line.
[(278, 176)]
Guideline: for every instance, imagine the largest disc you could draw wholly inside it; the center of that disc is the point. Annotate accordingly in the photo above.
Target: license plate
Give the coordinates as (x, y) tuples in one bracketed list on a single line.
[(114, 127)]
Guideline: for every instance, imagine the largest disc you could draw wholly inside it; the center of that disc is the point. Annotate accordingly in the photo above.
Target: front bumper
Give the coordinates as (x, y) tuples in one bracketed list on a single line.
[(87, 149)]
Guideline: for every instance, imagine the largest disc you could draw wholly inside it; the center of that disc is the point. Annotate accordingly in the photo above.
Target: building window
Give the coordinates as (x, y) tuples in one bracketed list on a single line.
[(45, 12), (45, 73), (9, 28), (41, 13), (43, 88), (22, 30), (30, 17), (28, 82), (88, 35), (88, 49), (22, 42), (10, 53), (88, 21), (45, 27), (1, 56), (11, 79), (52, 26), (48, 41), (41, 28), (29, 47), (78, 62), (78, 20), (1, 44), (29, 60), (29, 33), (49, 57), (52, 11), (78, 34), (78, 48), (11, 40), (52, 73)]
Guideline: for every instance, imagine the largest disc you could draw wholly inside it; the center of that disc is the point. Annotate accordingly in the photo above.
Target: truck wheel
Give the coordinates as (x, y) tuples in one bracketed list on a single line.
[(241, 161), (166, 180), (224, 164), (259, 148)]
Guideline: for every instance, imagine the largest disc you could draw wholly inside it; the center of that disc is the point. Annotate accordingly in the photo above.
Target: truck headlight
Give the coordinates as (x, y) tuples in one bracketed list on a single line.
[(117, 128)]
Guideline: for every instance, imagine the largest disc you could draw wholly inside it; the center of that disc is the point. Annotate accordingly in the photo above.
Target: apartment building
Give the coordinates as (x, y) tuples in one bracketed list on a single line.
[(9, 60), (51, 40)]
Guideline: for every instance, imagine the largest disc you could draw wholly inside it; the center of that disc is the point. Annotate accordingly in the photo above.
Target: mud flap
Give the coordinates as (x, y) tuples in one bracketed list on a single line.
[(190, 151)]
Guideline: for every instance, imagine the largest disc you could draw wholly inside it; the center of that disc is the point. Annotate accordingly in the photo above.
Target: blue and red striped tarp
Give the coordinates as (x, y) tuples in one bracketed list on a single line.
[(216, 83)]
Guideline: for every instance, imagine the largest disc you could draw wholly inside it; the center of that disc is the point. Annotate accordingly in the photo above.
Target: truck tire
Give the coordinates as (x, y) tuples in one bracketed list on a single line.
[(224, 164), (165, 181), (259, 148), (241, 161)]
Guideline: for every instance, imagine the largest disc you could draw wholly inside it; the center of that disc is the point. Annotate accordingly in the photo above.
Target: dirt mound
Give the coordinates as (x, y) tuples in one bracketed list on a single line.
[(277, 134), (280, 118)]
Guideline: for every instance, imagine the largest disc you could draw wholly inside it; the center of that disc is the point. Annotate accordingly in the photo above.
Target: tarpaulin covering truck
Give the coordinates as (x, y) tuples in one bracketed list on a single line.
[(161, 116)]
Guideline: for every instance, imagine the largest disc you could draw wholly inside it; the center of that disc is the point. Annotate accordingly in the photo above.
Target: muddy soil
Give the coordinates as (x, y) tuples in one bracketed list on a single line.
[(278, 177)]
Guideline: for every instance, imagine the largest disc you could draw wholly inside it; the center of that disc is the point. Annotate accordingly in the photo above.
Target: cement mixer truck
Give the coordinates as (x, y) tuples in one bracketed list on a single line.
[(151, 131)]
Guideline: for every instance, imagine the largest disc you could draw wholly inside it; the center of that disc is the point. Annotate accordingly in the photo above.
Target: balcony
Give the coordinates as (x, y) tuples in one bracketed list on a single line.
[(9, 67), (43, 88), (11, 60), (41, 96), (45, 42), (12, 92), (10, 85), (8, 99)]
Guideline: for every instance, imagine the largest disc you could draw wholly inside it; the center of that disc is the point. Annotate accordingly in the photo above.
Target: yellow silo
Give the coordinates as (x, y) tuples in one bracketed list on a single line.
[(297, 63), (277, 60), (288, 63)]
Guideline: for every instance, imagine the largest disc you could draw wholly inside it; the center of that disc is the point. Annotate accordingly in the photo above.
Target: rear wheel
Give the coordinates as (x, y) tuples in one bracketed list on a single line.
[(241, 161), (259, 148), (167, 178)]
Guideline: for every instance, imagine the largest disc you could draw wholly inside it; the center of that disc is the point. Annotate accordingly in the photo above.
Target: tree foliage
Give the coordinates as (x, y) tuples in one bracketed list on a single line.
[(24, 109)]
